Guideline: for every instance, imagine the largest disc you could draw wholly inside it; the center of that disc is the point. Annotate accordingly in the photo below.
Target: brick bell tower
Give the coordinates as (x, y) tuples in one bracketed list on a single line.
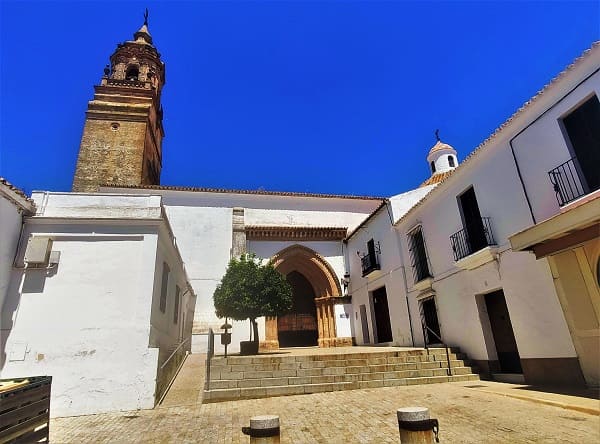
[(123, 132)]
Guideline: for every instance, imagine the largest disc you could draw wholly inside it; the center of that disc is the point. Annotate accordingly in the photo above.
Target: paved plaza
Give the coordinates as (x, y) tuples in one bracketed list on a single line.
[(475, 412)]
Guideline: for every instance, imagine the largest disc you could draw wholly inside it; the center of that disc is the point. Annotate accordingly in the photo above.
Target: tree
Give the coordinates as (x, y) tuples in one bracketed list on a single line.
[(250, 290)]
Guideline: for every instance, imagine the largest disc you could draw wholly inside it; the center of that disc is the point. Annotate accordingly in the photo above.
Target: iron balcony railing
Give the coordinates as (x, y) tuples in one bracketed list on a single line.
[(472, 238), (369, 263), (566, 181)]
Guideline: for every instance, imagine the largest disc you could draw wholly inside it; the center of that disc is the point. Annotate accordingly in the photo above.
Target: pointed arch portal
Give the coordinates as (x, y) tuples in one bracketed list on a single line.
[(311, 322)]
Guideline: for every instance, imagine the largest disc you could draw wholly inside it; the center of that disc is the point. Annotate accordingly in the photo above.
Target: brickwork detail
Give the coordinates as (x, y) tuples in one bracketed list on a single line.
[(123, 132)]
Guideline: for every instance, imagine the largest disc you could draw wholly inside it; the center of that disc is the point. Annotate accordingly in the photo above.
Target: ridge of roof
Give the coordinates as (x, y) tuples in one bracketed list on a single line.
[(234, 191), (578, 60)]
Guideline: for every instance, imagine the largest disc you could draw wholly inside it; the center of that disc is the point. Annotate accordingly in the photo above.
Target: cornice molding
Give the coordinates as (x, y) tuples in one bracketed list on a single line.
[(280, 233)]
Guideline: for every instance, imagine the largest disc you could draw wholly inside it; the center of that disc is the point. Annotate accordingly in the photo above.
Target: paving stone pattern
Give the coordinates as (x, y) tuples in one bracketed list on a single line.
[(466, 415)]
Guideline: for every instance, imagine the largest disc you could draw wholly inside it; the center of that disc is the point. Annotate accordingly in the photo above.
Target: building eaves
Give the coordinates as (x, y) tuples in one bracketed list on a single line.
[(17, 196), (527, 105), (233, 191)]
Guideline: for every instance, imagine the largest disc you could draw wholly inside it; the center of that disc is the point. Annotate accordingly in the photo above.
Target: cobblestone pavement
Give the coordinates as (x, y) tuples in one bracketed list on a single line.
[(466, 415)]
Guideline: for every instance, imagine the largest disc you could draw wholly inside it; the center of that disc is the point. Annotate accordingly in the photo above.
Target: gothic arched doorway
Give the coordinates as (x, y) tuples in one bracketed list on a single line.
[(299, 327), (305, 266)]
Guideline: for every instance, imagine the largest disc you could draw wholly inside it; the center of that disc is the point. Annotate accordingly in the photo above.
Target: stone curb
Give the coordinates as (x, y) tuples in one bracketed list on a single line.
[(577, 408)]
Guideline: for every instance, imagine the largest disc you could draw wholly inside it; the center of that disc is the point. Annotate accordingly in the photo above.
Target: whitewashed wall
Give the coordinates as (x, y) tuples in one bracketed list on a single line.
[(379, 229), (538, 323), (87, 325), (87, 322), (202, 223), (10, 228), (543, 146)]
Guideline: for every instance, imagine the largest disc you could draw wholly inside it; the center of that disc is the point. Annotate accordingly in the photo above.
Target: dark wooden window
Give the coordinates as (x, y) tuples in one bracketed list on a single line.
[(583, 129), (164, 287), (432, 166), (177, 303), (418, 255), (451, 161)]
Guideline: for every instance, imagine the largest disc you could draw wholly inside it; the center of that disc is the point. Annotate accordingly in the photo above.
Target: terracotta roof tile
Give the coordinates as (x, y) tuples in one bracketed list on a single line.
[(228, 191), (16, 190), (436, 178)]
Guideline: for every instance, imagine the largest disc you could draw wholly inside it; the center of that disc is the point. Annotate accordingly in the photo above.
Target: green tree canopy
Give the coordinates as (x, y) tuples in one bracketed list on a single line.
[(250, 290)]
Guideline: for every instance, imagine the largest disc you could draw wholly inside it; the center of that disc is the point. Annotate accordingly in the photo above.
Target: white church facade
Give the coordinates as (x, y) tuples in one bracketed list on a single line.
[(120, 272)]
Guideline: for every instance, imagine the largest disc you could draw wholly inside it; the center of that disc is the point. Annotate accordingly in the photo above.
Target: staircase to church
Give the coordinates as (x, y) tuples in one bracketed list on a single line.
[(245, 377)]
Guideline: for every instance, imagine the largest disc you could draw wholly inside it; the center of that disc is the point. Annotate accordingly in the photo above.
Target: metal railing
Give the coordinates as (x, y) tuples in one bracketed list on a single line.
[(168, 370), (426, 332), (369, 263), (472, 238), (210, 352), (566, 181)]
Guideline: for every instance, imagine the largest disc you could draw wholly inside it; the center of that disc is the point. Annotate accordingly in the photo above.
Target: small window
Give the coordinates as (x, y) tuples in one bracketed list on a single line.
[(451, 161), (418, 254), (177, 302), (432, 166), (164, 287), (132, 73)]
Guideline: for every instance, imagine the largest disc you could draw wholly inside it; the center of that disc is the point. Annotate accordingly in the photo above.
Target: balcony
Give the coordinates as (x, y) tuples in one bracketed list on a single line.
[(567, 182), (369, 264), (474, 237)]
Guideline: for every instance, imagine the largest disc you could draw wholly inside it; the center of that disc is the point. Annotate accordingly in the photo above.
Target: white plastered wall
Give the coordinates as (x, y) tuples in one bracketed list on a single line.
[(87, 322)]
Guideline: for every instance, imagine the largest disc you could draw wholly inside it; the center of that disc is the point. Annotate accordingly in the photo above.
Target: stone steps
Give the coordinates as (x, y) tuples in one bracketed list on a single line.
[(246, 377)]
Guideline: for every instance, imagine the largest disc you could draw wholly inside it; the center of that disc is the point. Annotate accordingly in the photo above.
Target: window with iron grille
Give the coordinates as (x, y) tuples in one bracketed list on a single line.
[(164, 287), (177, 302), (418, 255)]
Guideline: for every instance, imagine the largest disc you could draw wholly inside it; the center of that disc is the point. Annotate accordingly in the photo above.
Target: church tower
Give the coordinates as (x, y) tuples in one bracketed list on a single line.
[(123, 132)]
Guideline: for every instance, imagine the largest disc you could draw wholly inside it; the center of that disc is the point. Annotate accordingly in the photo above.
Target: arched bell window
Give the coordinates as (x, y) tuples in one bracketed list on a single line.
[(432, 166), (451, 161), (133, 73)]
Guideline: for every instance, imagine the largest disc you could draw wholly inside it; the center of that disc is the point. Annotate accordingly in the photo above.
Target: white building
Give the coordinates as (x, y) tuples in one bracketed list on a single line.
[(464, 281), (99, 301)]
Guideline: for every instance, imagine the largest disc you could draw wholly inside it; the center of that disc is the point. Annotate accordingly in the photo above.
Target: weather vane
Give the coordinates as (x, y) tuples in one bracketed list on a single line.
[(146, 17), (437, 134)]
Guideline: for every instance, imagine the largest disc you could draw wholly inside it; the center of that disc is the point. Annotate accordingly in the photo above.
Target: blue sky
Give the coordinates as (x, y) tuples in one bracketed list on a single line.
[(327, 97)]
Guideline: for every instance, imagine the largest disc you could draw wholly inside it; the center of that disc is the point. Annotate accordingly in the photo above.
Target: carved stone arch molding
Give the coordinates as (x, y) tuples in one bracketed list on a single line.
[(327, 289)]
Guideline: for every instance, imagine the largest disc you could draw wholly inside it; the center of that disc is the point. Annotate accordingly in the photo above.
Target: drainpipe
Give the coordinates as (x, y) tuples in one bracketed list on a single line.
[(510, 142)]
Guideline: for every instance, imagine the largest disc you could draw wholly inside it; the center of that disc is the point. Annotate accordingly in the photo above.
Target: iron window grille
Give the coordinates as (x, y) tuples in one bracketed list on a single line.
[(418, 255)]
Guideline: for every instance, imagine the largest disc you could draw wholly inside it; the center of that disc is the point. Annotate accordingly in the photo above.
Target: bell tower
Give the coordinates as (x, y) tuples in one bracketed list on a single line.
[(123, 131)]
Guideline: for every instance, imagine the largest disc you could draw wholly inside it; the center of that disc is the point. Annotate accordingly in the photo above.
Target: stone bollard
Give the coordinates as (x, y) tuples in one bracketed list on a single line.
[(263, 429), (416, 427)]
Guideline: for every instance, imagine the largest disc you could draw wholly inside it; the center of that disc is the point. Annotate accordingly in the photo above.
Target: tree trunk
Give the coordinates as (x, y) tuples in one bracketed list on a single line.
[(254, 329)]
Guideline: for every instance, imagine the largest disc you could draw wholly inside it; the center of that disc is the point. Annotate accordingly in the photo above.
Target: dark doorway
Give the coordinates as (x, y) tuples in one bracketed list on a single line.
[(382, 316), (472, 221), (502, 331), (430, 319), (583, 128), (364, 324), (299, 327)]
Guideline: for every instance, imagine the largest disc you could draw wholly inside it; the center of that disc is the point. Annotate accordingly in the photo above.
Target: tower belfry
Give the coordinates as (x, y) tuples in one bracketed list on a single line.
[(123, 131)]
